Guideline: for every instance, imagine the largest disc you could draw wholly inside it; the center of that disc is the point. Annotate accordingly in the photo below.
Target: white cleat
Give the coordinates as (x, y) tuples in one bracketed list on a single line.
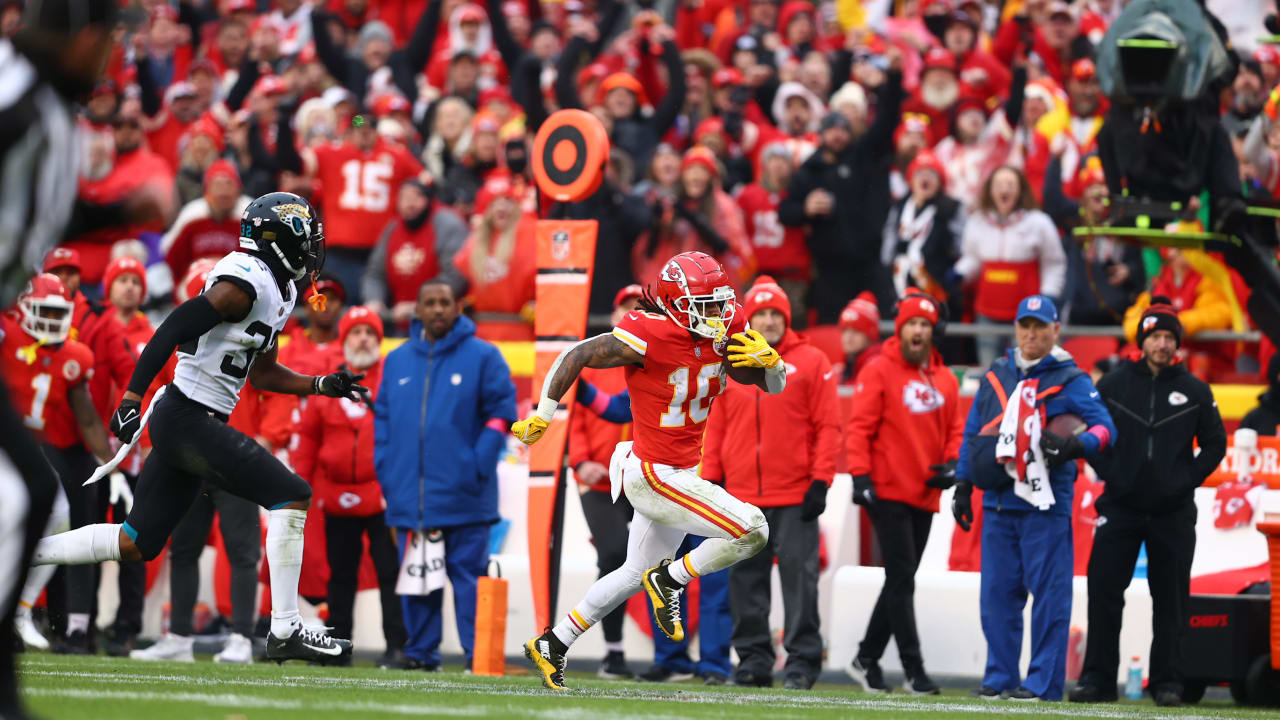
[(173, 648), (239, 649), (30, 634)]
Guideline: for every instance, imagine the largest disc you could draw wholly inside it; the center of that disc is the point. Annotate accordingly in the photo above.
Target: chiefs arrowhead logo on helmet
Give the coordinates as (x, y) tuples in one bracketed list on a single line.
[(46, 309), (694, 291)]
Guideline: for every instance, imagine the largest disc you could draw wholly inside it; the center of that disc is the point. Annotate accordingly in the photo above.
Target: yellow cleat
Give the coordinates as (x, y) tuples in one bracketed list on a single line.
[(546, 652), (664, 593)]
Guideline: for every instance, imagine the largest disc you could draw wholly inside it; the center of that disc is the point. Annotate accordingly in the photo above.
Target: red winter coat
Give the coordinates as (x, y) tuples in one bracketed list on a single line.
[(767, 448), (904, 419), (337, 435), (98, 327)]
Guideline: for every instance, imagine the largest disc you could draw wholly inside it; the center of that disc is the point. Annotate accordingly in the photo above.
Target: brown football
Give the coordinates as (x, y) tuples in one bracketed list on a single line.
[(1066, 424)]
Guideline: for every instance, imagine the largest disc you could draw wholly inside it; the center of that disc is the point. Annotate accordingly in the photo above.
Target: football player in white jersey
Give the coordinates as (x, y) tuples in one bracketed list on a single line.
[(224, 336)]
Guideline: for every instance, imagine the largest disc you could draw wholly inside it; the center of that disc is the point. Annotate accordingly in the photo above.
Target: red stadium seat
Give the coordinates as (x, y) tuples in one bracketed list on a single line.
[(1089, 349), (827, 339)]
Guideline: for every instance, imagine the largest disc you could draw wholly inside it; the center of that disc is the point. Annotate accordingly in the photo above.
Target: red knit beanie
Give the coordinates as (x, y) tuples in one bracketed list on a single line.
[(359, 315), (123, 264), (914, 306), (766, 293), (861, 314)]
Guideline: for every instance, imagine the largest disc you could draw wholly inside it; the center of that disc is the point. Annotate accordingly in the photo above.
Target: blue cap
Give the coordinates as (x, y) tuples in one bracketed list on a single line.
[(1038, 307)]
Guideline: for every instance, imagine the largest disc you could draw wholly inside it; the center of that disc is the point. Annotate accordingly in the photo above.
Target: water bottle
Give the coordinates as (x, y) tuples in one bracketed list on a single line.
[(1133, 686)]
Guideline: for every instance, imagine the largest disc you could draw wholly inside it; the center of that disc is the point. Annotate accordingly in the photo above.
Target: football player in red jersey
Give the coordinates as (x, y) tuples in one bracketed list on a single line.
[(679, 351), (46, 373)]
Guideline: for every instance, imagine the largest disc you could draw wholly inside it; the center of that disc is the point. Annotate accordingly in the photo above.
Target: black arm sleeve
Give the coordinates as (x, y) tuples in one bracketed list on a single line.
[(148, 91), (567, 74), (526, 90), (508, 48), (669, 107), (188, 322), (610, 14), (418, 51), (841, 68), (287, 157), (1017, 91), (888, 111), (244, 83), (331, 56)]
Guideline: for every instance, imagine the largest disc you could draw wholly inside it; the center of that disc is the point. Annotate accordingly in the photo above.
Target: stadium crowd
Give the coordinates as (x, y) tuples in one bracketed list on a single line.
[(854, 152)]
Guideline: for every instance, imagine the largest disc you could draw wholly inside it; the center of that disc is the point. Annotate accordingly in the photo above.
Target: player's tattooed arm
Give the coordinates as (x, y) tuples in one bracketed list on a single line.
[(91, 429), (601, 351)]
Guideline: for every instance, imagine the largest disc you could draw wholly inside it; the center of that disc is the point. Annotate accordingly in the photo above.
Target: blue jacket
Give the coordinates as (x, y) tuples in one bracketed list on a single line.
[(1077, 395), (436, 461)]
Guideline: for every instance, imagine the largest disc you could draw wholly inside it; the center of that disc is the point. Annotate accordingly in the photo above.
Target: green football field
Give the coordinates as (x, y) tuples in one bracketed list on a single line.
[(99, 688)]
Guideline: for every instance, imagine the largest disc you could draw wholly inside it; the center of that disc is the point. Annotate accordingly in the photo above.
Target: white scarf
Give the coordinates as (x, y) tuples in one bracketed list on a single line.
[(913, 231), (422, 571), (1020, 430)]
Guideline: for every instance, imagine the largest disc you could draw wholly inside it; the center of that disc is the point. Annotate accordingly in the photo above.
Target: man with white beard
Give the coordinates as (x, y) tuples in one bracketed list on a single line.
[(335, 454)]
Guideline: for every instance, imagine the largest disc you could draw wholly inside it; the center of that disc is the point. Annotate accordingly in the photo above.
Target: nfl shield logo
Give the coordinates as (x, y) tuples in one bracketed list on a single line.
[(1033, 303), (560, 245)]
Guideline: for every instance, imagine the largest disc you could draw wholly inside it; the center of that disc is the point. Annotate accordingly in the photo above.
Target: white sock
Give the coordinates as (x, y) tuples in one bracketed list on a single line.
[(284, 555), (82, 546), (77, 621), (682, 570), (572, 625), (613, 647)]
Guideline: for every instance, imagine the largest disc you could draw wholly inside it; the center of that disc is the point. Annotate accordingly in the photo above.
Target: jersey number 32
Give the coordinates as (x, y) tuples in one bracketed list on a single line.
[(258, 329)]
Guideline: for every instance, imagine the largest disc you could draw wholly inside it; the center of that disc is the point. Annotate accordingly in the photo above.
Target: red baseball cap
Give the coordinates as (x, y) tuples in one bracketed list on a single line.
[(326, 285), (726, 77), (627, 293), (940, 58), (62, 257)]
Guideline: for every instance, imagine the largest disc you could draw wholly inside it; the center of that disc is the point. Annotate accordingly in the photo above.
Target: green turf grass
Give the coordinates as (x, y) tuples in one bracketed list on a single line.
[(99, 688)]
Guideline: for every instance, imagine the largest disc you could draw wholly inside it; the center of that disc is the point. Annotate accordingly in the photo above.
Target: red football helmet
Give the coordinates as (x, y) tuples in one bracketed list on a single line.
[(46, 308), (192, 284), (694, 291)]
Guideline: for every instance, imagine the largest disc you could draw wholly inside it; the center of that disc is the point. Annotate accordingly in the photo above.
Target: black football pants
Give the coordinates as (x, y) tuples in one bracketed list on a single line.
[(192, 446), (1171, 544)]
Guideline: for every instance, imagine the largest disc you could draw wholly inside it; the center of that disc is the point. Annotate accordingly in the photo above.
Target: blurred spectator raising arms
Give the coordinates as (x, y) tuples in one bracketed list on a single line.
[(1011, 250)]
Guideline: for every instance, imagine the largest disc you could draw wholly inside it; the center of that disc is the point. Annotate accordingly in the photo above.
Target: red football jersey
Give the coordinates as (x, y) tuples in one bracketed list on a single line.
[(779, 250), (671, 394), (1233, 503), (360, 190), (38, 377)]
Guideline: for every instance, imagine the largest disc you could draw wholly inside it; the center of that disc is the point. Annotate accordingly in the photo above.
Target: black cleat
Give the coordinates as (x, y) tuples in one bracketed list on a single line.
[(1022, 694), (1092, 694), (310, 645), (1167, 698), (614, 667), (867, 673), (662, 673), (711, 678), (986, 692), (664, 594), (546, 652), (77, 643), (919, 683)]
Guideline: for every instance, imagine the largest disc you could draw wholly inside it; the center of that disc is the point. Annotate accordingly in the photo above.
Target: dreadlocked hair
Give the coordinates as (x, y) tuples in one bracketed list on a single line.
[(650, 304)]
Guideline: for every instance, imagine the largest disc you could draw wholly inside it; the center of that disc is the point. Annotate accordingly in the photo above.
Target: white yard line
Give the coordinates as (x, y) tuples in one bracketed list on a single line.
[(495, 688)]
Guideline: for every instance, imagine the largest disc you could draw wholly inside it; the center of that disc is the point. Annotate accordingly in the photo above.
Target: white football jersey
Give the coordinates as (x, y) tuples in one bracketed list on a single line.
[(213, 369)]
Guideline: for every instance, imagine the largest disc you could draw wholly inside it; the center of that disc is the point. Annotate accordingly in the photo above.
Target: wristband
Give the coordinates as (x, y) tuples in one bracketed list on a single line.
[(547, 408), (315, 384)]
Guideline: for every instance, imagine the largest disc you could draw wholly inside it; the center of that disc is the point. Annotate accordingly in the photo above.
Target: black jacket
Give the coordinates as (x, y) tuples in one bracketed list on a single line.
[(846, 243), (1266, 417), (1152, 467)]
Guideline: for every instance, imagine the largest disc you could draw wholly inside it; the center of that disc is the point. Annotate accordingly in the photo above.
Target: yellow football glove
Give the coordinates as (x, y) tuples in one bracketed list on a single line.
[(752, 351), (529, 431)]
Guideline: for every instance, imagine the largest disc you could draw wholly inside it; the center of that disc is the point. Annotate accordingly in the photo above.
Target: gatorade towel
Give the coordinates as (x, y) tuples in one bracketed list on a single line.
[(566, 254)]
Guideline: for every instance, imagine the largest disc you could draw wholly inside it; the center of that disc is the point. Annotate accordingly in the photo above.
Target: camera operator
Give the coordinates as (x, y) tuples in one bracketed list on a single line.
[(1151, 473)]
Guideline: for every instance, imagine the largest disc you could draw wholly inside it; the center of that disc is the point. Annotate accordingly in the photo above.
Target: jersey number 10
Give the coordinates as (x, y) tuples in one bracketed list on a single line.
[(677, 414)]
